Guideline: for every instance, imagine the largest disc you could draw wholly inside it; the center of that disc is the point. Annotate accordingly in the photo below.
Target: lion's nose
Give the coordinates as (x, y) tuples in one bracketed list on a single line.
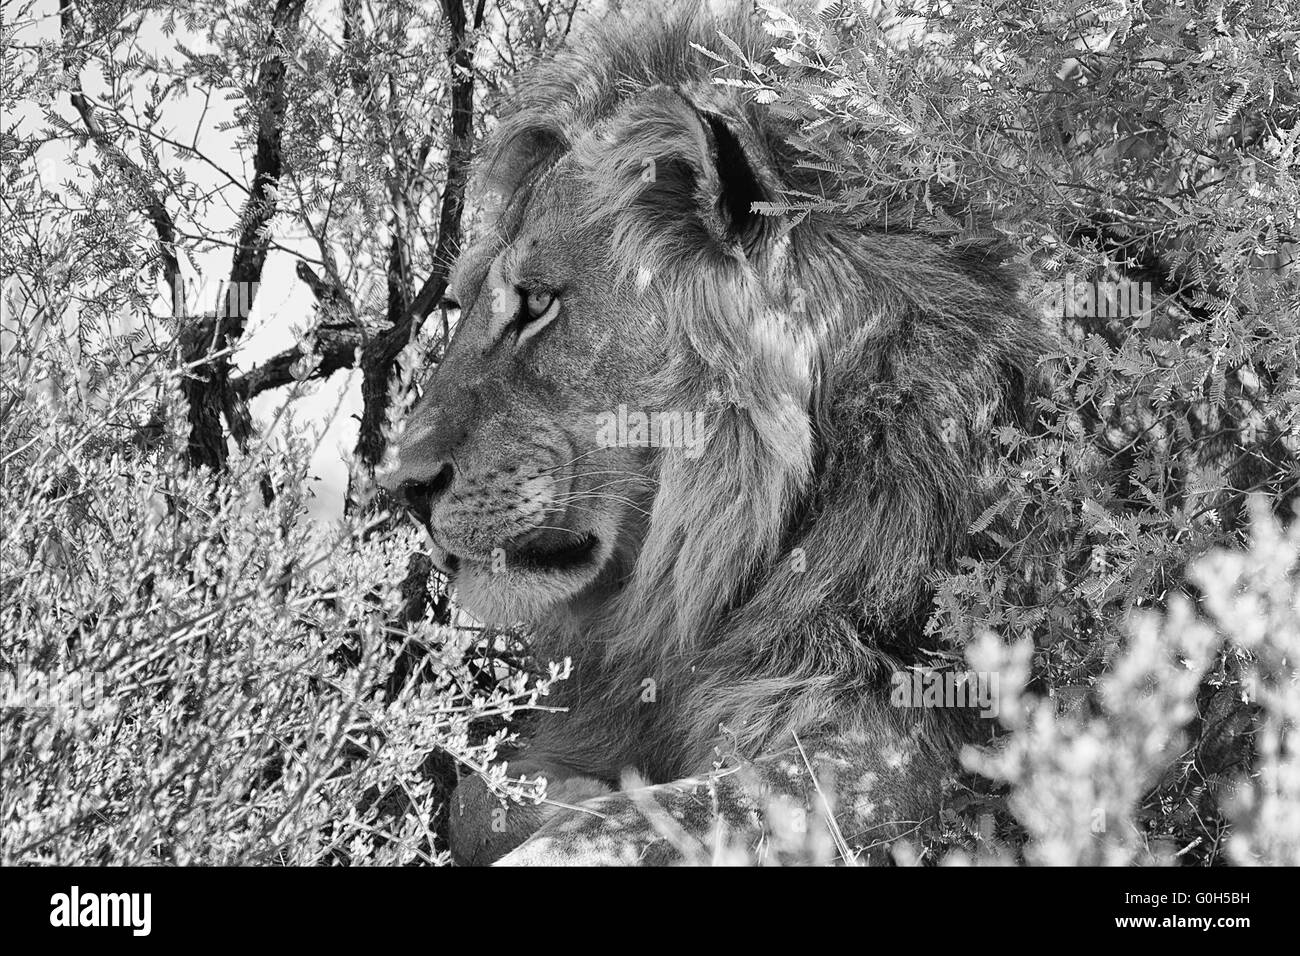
[(418, 495)]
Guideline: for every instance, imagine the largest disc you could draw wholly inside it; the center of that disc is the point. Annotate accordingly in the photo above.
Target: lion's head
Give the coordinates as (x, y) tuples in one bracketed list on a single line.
[(502, 457), (535, 454)]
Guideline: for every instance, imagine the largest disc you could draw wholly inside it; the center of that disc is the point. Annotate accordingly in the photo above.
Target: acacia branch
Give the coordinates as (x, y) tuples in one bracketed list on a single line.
[(185, 149), (209, 392), (150, 202), (380, 356), (335, 350), (336, 344)]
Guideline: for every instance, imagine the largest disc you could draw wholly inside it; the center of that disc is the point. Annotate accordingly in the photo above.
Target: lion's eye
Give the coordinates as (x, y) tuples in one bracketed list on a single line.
[(537, 309), (536, 304)]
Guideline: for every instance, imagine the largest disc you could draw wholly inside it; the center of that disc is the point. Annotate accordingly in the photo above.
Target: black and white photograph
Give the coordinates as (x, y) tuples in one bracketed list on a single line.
[(859, 437)]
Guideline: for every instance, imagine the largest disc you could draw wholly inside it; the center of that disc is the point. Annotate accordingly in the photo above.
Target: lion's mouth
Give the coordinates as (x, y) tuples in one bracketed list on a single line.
[(559, 556), (549, 553)]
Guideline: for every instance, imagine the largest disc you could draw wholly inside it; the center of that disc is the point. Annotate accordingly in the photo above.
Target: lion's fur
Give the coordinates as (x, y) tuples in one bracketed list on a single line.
[(831, 425), (852, 379)]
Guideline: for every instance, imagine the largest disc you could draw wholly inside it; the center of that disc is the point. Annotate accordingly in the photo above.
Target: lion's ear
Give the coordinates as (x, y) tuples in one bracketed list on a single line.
[(682, 167), (735, 183), (521, 147)]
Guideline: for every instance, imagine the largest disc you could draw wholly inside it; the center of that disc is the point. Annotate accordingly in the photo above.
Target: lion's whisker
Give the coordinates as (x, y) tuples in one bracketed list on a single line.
[(569, 500)]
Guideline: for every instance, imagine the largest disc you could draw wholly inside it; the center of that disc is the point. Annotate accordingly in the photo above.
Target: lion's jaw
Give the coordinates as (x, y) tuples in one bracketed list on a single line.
[(518, 551), (528, 588)]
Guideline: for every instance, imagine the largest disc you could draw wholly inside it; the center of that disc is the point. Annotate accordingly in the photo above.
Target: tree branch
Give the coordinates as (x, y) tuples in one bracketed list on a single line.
[(336, 344), (336, 349), (380, 356), (209, 394), (150, 202)]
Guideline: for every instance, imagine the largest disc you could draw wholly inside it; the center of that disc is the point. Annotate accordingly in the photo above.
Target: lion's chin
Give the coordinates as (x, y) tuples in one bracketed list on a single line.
[(527, 589)]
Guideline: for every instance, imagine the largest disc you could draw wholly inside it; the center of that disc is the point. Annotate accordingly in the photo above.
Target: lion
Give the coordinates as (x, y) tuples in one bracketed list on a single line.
[(714, 457)]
